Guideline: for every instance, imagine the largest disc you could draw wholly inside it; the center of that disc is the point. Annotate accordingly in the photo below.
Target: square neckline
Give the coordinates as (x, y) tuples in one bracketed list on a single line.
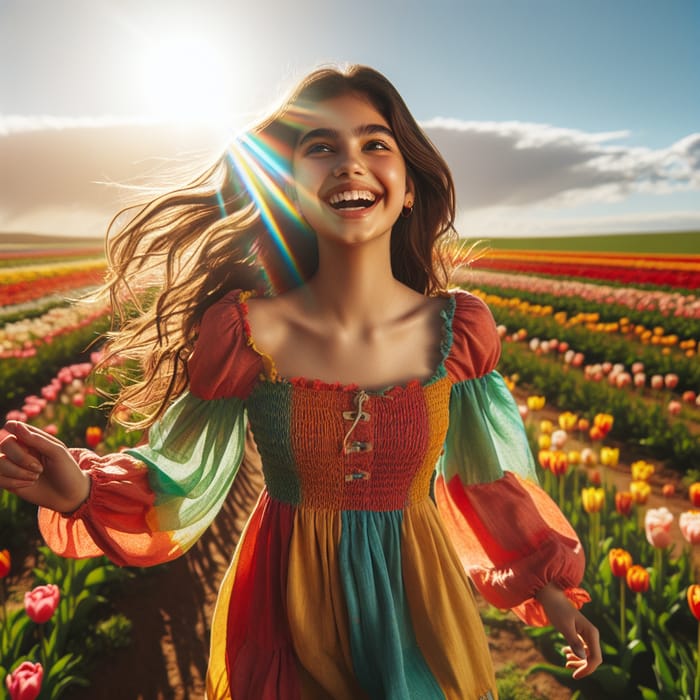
[(272, 376)]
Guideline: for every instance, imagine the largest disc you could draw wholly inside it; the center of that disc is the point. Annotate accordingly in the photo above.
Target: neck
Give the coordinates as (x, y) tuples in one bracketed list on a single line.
[(351, 280)]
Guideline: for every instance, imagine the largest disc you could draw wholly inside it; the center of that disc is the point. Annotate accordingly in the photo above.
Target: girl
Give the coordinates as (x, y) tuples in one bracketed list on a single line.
[(302, 292)]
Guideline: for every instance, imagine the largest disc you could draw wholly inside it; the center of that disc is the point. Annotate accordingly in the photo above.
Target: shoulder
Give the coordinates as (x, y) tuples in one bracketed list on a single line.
[(223, 363), (476, 347)]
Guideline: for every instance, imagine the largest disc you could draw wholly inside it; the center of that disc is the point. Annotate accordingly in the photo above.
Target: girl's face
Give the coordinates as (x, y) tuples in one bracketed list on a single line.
[(351, 181)]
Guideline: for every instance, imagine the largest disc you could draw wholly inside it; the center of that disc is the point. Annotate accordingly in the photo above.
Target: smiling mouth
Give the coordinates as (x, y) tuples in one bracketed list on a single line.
[(352, 199)]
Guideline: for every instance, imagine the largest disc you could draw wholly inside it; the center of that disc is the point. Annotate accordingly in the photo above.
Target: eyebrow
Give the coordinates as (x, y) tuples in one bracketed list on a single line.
[(363, 130)]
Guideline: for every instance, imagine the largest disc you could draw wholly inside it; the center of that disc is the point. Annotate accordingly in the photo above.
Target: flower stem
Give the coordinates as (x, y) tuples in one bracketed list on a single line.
[(623, 631), (4, 615)]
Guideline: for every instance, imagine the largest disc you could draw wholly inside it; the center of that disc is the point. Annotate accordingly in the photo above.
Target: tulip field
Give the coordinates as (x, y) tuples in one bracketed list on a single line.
[(600, 349)]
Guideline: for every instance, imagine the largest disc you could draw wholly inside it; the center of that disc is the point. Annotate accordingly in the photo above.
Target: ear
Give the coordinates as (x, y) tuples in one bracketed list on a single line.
[(410, 196)]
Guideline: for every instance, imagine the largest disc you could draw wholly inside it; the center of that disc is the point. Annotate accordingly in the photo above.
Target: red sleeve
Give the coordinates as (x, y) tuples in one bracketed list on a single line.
[(510, 559), (223, 363), (476, 347)]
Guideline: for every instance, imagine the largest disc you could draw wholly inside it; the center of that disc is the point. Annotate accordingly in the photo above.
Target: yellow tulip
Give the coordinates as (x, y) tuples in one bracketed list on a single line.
[(641, 470), (536, 403), (567, 421), (593, 499), (640, 491), (609, 456), (544, 442), (546, 427)]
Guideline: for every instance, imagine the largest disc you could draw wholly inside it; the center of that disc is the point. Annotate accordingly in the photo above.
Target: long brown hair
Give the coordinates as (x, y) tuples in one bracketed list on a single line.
[(232, 228)]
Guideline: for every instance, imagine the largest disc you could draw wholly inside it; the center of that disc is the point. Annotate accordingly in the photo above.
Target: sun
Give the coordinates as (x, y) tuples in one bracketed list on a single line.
[(184, 78)]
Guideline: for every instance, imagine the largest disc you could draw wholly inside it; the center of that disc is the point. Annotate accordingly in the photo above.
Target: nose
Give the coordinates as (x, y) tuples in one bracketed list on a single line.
[(349, 163)]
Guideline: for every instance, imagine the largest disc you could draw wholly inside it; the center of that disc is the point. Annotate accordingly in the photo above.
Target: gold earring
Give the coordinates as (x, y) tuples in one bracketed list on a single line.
[(408, 209)]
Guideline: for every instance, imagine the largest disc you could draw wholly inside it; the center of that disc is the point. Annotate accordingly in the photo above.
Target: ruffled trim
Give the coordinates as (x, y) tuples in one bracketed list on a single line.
[(271, 374), (532, 612)]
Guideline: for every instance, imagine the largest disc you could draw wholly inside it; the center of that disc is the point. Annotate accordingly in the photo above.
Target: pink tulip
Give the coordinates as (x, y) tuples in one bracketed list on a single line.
[(657, 525), (24, 683), (79, 400), (623, 379), (689, 396), (606, 367), (523, 410), (674, 408), (51, 429), (640, 379), (50, 393), (637, 367), (578, 359), (689, 523), (671, 381), (563, 347), (41, 602), (16, 415), (657, 382), (558, 439)]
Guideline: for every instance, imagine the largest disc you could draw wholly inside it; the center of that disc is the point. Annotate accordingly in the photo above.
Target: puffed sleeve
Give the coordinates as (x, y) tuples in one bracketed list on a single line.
[(510, 535), (149, 504)]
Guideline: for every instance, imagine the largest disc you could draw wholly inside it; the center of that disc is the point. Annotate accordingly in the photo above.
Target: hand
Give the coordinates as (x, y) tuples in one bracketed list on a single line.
[(583, 653), (37, 467)]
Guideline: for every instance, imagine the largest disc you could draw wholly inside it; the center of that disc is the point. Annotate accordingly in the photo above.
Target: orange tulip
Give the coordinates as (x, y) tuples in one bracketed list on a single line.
[(5, 563), (593, 499), (545, 459), (623, 502), (620, 562), (694, 600), (668, 490), (604, 422), (637, 578)]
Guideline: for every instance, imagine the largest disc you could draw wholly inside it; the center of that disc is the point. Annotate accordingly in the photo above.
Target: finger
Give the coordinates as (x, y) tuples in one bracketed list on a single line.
[(25, 430), (16, 455), (11, 470)]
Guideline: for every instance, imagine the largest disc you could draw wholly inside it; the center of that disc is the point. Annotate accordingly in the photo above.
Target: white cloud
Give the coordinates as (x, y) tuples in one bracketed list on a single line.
[(512, 174), (521, 164)]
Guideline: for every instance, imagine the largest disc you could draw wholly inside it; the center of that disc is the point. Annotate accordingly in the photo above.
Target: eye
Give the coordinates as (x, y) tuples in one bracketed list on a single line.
[(377, 145), (318, 148)]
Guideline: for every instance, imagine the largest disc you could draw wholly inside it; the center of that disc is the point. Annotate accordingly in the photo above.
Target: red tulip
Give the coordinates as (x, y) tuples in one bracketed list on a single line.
[(5, 563), (93, 436), (657, 382), (623, 502), (694, 494), (637, 579), (694, 600), (41, 603), (24, 683)]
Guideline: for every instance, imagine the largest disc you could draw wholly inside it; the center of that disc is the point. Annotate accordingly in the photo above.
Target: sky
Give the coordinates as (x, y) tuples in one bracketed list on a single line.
[(556, 117)]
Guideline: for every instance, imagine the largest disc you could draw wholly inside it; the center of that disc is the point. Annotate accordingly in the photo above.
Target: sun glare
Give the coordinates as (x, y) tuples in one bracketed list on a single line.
[(186, 79)]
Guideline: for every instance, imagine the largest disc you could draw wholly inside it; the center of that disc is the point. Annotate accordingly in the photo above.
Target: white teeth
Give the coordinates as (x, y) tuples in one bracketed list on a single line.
[(349, 195)]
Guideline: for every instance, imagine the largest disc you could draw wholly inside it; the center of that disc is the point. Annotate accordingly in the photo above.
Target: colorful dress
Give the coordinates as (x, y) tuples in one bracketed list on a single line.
[(352, 577)]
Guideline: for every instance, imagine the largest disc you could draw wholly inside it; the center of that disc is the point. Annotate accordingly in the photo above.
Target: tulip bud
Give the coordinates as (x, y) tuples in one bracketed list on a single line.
[(594, 477), (689, 397), (558, 439), (668, 490), (620, 562), (637, 579), (583, 424), (588, 457)]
